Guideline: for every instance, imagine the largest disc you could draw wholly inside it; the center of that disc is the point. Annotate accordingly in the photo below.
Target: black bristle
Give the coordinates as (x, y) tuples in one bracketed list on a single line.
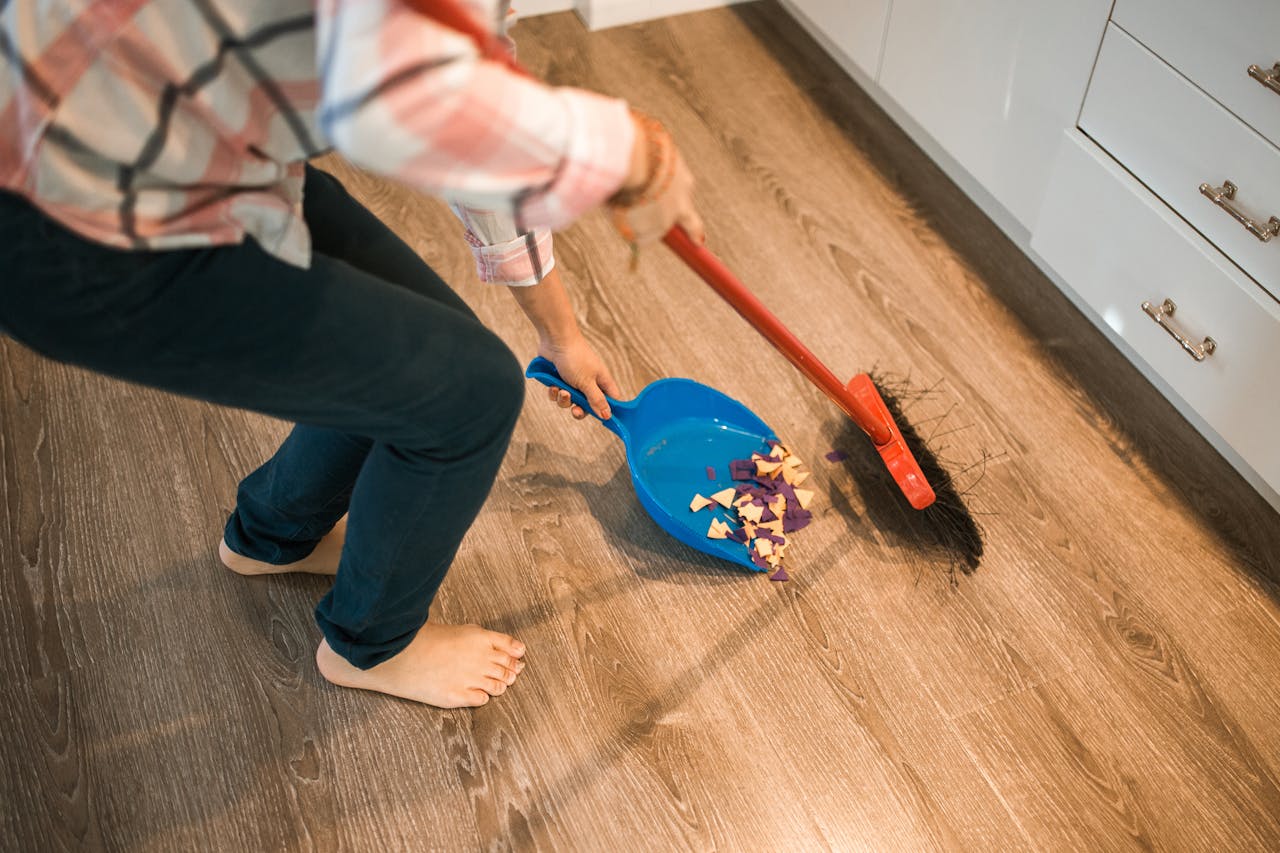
[(946, 531)]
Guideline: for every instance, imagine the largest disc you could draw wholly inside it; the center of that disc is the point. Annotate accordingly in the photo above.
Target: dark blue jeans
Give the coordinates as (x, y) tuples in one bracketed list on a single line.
[(404, 402)]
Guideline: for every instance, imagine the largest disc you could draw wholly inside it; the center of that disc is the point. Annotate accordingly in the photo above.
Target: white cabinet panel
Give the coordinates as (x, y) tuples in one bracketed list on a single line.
[(1214, 44), (995, 82), (1174, 138), (856, 27), (1117, 246)]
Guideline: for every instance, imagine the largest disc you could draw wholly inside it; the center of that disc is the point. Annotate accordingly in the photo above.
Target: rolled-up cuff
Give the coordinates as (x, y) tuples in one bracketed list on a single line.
[(512, 263)]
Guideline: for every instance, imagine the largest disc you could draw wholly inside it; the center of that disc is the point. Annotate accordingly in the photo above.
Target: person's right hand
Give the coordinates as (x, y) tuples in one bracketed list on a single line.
[(658, 191)]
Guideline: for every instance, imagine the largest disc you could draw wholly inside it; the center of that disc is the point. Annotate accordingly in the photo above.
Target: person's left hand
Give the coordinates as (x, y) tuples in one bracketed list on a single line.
[(580, 366)]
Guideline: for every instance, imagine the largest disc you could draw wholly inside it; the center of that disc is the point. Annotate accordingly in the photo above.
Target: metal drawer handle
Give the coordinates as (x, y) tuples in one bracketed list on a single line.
[(1269, 78), (1164, 319), (1222, 196)]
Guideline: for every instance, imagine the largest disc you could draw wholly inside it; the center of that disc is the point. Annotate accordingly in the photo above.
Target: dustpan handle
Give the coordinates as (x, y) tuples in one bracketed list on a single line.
[(713, 271), (544, 371)]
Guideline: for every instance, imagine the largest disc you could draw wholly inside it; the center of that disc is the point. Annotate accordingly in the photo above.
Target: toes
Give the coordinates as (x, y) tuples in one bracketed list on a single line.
[(473, 698), (508, 644), (493, 686), (501, 673)]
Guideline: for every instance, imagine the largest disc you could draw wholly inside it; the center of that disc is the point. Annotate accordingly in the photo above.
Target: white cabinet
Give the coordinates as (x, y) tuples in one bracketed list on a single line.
[(1119, 247), (1175, 139), (855, 27), (994, 82)]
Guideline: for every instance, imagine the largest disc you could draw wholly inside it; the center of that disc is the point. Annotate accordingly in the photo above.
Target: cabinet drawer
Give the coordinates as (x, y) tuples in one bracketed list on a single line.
[(1117, 246), (1174, 138), (1214, 44)]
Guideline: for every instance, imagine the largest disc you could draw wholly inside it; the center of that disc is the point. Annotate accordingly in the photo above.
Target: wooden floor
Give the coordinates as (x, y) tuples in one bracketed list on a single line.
[(1108, 679)]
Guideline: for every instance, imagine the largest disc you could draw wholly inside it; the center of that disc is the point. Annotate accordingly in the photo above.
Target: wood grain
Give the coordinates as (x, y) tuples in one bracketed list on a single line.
[(1107, 680)]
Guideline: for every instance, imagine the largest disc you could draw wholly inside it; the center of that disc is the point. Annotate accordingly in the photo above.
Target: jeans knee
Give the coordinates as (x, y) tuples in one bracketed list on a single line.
[(494, 393), (507, 384)]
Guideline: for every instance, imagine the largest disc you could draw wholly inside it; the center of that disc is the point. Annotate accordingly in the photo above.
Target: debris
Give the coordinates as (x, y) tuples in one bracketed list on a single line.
[(765, 500), (837, 456), (763, 468), (725, 497)]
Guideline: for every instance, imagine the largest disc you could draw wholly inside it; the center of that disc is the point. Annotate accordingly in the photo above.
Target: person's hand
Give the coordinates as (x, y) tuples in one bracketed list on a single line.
[(580, 366), (658, 191)]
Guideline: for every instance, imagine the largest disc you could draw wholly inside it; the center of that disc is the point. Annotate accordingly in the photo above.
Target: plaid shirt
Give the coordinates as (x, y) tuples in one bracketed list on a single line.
[(160, 124)]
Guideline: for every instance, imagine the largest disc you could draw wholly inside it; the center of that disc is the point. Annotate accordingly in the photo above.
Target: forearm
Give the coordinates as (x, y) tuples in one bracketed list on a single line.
[(548, 308)]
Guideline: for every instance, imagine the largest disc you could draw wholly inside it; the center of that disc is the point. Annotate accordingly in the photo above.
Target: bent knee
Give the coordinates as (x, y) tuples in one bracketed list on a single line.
[(501, 382), (490, 393)]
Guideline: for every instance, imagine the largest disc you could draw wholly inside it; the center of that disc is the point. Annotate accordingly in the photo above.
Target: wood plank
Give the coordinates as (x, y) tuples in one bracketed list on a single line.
[(1105, 680)]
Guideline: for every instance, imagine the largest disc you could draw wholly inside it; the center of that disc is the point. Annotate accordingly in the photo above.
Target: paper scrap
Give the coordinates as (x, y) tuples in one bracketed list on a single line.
[(725, 497)]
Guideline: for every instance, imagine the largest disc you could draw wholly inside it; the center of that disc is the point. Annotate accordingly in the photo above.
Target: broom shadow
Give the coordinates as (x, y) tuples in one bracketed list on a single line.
[(947, 534)]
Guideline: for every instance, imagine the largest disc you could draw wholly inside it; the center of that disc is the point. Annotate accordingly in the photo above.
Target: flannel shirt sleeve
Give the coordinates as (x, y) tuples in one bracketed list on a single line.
[(503, 255), (410, 99)]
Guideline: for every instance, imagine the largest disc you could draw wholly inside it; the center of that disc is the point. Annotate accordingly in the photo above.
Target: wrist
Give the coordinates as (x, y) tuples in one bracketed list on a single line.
[(559, 340), (638, 173), (647, 156)]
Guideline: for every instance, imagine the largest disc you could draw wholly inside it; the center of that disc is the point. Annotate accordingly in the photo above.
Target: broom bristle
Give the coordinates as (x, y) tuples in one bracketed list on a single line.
[(946, 530)]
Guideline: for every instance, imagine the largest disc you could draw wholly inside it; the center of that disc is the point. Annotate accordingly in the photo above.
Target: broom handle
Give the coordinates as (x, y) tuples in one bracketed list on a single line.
[(700, 259), (713, 271)]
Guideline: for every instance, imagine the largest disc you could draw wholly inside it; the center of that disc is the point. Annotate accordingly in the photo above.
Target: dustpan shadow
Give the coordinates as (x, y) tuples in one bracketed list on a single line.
[(628, 530)]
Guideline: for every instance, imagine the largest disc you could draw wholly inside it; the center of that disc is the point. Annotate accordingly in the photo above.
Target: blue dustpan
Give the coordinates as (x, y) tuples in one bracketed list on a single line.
[(673, 430)]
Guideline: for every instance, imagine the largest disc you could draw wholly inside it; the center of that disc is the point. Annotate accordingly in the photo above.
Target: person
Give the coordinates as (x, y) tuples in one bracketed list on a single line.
[(159, 223)]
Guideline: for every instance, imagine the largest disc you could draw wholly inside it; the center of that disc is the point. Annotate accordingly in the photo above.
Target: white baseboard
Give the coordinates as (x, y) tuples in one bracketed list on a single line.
[(599, 14), (530, 8)]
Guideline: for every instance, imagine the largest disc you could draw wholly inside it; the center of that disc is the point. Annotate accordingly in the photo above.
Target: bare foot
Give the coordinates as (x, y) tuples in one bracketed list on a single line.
[(322, 561), (449, 666)]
